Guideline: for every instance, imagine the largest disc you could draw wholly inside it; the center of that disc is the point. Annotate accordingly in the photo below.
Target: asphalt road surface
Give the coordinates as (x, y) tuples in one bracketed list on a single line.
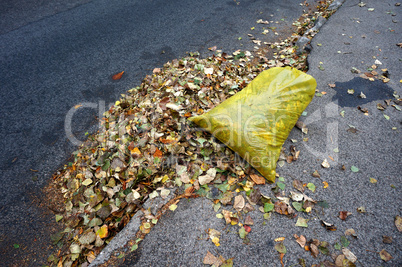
[(59, 54)]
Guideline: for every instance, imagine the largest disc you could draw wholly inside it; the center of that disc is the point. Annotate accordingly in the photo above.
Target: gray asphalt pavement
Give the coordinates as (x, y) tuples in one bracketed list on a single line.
[(354, 37), (56, 54)]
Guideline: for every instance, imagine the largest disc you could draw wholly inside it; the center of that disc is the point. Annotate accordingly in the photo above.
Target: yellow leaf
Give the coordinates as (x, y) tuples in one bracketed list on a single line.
[(325, 184), (77, 106), (279, 239), (103, 231), (373, 181), (215, 240), (136, 151)]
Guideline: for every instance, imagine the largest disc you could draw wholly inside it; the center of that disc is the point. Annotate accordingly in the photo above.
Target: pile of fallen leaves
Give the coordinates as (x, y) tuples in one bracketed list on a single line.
[(146, 145)]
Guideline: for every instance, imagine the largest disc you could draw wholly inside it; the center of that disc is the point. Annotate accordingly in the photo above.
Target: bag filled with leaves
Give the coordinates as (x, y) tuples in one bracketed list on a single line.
[(256, 121)]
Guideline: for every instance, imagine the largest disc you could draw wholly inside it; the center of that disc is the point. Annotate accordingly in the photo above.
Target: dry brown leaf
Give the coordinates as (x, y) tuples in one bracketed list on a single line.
[(297, 184), (301, 240), (344, 214), (248, 220), (349, 255), (227, 215), (316, 174), (339, 260), (257, 179), (239, 203), (351, 232), (314, 250), (210, 259), (387, 239)]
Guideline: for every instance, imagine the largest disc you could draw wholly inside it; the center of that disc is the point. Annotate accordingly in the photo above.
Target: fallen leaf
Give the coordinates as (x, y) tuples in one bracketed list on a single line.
[(227, 215), (316, 174), (314, 250), (281, 185), (226, 198), (387, 239), (103, 231), (301, 240), (311, 187), (205, 179), (74, 248), (328, 226), (280, 247), (354, 169), (173, 207), (268, 207), (349, 255), (344, 214), (344, 241), (300, 125), (301, 222), (158, 153), (373, 181), (398, 223), (248, 220), (214, 235), (361, 209), (385, 256), (339, 261), (297, 205), (297, 184), (283, 208), (117, 76), (239, 203), (87, 238), (210, 259), (296, 196), (325, 184), (242, 232), (279, 239), (380, 107), (58, 217), (213, 48), (351, 232), (325, 164), (257, 179)]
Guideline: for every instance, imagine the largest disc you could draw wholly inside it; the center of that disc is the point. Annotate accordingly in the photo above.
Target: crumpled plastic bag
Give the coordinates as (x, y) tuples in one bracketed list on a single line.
[(256, 121)]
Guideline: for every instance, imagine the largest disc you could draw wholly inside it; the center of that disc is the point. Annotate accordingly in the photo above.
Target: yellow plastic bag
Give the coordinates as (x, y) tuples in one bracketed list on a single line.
[(256, 121)]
